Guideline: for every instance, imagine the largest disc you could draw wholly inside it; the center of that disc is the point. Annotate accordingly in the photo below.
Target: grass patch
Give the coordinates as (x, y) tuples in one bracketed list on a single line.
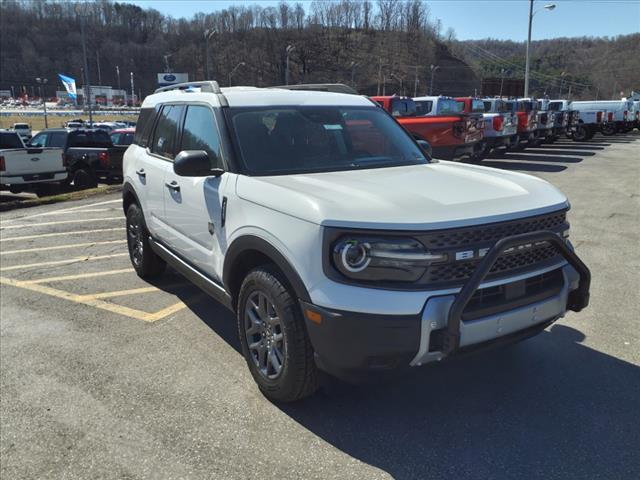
[(57, 121), (61, 197)]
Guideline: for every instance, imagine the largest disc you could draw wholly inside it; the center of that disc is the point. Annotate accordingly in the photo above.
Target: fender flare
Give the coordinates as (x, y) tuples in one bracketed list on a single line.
[(252, 242)]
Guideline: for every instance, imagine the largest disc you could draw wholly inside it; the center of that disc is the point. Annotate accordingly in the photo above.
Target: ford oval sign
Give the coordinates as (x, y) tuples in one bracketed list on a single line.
[(169, 78)]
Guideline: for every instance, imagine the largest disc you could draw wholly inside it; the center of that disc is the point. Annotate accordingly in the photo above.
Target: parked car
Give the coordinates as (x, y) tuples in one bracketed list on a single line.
[(340, 246), (500, 127), (527, 123), (566, 120), (23, 129), (545, 120), (122, 137), (438, 120), (74, 125), (89, 154), (590, 121), (618, 117), (25, 169)]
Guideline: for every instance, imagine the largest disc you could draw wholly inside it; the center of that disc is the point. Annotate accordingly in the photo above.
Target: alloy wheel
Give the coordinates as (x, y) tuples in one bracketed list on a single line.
[(265, 335)]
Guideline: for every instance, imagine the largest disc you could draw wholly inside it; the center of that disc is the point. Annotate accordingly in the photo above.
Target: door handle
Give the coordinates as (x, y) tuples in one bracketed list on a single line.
[(141, 172), (173, 186)]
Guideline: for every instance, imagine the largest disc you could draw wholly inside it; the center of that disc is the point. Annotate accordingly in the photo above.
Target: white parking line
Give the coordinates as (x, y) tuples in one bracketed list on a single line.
[(61, 222), (79, 207), (61, 247), (62, 262), (58, 234)]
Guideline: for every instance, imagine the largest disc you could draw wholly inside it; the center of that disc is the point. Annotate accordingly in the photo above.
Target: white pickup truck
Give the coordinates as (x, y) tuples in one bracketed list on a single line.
[(591, 119), (29, 169), (619, 114)]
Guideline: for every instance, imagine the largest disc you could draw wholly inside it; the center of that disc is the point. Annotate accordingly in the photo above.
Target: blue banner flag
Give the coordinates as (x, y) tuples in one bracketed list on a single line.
[(69, 85)]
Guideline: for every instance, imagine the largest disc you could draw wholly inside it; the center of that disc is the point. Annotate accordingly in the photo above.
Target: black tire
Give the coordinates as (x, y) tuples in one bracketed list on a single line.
[(609, 130), (144, 260), (580, 134), (298, 376), (47, 189), (83, 179)]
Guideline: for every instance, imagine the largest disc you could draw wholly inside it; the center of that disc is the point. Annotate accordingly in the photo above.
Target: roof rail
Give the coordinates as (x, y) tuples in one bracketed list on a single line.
[(209, 86), (321, 87)]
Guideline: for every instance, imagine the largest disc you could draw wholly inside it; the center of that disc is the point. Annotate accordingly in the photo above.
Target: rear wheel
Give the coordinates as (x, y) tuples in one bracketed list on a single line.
[(144, 260), (580, 134), (274, 338), (83, 178), (609, 129)]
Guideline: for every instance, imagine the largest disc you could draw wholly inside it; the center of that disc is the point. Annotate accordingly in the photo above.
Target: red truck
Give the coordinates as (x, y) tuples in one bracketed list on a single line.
[(451, 133), (527, 123)]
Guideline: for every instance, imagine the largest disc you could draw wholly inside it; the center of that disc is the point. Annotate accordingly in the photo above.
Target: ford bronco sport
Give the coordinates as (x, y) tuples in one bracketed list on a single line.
[(338, 242)]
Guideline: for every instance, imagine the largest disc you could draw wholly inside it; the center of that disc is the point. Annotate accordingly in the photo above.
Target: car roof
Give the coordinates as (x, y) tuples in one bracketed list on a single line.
[(257, 97), (124, 130)]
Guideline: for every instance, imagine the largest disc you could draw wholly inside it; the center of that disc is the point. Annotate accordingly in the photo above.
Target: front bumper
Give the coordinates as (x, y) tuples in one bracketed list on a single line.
[(354, 345)]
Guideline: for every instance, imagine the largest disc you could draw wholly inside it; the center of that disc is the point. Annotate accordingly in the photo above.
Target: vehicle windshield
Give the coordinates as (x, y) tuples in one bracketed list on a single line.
[(499, 106), (555, 106), (122, 138), (22, 126), (477, 106), (10, 140), (307, 139), (447, 105)]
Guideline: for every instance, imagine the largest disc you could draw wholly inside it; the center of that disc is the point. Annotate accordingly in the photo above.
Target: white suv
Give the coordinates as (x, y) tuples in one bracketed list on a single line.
[(338, 243)]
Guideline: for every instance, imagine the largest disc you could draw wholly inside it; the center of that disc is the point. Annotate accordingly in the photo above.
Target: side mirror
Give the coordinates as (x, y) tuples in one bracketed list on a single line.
[(195, 163), (425, 147)]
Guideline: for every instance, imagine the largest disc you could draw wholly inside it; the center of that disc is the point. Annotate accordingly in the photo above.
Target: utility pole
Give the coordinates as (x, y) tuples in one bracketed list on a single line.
[(501, 81), (289, 49), (42, 82), (353, 73), (415, 83), (433, 71), (118, 75), (98, 62), (208, 33), (133, 92), (87, 82)]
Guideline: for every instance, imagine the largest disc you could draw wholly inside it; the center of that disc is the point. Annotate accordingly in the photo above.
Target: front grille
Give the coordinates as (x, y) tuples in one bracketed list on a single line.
[(461, 237), (474, 239)]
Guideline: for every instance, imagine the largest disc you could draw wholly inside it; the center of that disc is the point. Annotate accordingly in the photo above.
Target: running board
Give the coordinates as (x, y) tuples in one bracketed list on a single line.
[(196, 277)]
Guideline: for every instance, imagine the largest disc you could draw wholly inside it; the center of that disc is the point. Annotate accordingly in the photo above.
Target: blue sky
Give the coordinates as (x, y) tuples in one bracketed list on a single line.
[(474, 19)]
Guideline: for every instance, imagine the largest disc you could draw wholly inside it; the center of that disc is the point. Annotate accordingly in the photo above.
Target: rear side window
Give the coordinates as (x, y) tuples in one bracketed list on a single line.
[(143, 127), (122, 138), (10, 140), (201, 133), (57, 139), (164, 137), (90, 139), (423, 107), (39, 140)]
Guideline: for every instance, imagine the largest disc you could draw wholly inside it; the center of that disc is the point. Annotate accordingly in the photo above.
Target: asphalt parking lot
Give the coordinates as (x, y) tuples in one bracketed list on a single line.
[(106, 376)]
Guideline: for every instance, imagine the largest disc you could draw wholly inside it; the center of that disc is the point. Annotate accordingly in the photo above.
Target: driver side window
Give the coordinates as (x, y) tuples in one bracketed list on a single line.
[(39, 140)]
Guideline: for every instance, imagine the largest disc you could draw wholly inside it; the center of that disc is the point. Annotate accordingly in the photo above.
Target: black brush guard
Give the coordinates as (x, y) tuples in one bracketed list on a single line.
[(577, 300)]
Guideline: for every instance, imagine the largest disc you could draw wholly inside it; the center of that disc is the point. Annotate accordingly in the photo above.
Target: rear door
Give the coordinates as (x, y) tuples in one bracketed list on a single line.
[(194, 204), (152, 166)]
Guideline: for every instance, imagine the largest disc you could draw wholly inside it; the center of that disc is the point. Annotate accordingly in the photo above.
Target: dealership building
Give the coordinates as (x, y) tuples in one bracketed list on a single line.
[(100, 95)]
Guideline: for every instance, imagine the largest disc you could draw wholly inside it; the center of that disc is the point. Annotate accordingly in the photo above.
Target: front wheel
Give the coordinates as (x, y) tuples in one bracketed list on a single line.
[(609, 129), (580, 134), (274, 338), (144, 260)]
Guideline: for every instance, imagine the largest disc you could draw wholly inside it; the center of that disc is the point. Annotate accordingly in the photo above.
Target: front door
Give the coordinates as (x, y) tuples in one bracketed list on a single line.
[(194, 204)]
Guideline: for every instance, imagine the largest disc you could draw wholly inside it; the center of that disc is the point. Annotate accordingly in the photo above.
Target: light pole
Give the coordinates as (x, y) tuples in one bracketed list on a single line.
[(87, 82), (415, 83), (502, 70), (549, 6), (42, 82), (166, 62), (208, 33), (133, 93), (241, 64), (433, 71), (118, 75), (353, 73), (290, 48)]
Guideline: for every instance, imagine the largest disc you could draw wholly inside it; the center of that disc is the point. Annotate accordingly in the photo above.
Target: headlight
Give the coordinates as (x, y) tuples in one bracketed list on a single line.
[(382, 259)]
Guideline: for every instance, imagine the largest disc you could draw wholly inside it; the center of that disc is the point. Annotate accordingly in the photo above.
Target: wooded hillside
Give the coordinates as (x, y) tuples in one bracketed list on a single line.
[(382, 45)]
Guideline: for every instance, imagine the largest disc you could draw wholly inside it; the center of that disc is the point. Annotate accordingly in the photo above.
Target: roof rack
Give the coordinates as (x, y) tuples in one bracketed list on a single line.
[(321, 87), (210, 86)]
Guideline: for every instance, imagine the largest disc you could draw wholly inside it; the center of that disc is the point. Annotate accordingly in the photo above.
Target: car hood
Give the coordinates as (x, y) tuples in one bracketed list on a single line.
[(436, 195)]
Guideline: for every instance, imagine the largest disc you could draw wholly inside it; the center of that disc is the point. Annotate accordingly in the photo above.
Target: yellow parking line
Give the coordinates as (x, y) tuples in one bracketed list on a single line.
[(61, 247), (62, 262), (96, 303), (122, 293), (58, 234), (78, 276), (61, 222)]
